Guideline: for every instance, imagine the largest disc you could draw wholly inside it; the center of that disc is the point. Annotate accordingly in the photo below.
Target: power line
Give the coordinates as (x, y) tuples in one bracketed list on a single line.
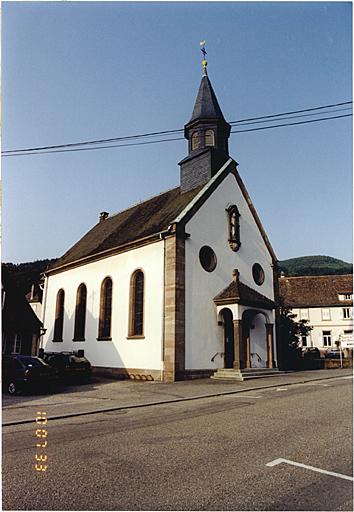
[(294, 112), (170, 132), (175, 139)]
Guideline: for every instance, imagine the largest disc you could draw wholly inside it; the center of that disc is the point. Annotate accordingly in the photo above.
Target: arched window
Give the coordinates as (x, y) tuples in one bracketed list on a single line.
[(80, 313), (209, 138), (104, 327), (59, 316), (195, 141), (234, 227), (136, 323)]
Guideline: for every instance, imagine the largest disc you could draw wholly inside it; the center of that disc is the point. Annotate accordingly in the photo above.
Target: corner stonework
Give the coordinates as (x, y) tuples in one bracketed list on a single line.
[(174, 306)]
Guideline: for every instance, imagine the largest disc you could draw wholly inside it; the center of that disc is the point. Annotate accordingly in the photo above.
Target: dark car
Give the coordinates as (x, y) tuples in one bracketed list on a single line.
[(25, 372), (312, 353), (69, 365), (334, 353)]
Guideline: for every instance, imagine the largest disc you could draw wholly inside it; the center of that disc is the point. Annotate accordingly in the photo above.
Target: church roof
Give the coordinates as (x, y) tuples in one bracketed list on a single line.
[(312, 291), (239, 293), (133, 224), (206, 105)]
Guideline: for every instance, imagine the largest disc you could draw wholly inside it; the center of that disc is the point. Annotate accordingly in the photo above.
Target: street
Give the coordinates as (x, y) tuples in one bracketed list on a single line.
[(205, 454)]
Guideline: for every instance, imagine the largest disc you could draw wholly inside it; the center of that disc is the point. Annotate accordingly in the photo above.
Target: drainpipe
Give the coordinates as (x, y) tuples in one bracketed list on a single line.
[(44, 308)]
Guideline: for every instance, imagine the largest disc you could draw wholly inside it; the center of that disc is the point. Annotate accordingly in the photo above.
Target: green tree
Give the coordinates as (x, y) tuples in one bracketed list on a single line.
[(290, 332)]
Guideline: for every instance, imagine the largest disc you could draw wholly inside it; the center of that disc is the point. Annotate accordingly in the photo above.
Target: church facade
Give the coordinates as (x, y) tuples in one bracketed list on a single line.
[(178, 286)]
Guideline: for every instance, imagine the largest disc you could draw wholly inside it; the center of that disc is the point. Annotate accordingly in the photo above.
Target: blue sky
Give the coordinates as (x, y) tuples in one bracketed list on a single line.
[(75, 71)]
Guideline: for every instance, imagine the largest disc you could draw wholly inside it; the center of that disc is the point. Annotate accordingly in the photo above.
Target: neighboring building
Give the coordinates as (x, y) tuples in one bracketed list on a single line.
[(34, 298), (326, 302), (21, 328), (179, 285)]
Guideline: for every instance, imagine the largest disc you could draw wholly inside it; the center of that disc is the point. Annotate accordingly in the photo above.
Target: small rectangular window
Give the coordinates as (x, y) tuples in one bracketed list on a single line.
[(326, 314), (304, 314), (347, 313), (327, 338)]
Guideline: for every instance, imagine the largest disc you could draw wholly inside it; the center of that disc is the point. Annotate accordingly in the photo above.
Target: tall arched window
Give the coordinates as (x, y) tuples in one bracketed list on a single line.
[(234, 227), (80, 313), (104, 328), (195, 140), (209, 138), (136, 323), (59, 316)]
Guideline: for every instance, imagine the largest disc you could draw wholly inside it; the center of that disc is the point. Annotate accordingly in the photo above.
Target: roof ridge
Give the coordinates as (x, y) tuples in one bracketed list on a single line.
[(142, 202)]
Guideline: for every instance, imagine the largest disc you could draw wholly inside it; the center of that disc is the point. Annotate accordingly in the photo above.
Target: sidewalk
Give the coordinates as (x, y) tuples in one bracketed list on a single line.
[(103, 395)]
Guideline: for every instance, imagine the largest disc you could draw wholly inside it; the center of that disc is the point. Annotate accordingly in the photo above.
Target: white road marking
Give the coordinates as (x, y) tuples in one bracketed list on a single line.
[(249, 396), (325, 472), (282, 389)]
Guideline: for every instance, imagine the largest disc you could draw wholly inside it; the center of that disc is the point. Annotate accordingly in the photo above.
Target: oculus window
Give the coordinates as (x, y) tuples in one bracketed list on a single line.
[(258, 274), (207, 258)]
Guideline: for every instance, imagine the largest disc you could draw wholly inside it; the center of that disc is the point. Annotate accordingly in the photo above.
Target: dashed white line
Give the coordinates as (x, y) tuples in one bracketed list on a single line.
[(282, 389), (318, 470)]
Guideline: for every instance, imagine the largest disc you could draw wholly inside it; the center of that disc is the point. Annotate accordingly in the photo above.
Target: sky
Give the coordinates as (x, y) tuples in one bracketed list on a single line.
[(76, 71)]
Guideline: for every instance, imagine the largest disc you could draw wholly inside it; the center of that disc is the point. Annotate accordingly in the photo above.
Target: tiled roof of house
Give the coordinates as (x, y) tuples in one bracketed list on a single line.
[(312, 291), (141, 220), (239, 293)]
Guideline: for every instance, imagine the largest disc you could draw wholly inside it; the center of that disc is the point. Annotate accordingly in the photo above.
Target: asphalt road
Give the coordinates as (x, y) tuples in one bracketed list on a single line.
[(207, 454)]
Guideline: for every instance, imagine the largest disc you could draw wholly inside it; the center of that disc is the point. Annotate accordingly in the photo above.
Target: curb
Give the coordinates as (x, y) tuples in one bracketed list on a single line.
[(173, 400)]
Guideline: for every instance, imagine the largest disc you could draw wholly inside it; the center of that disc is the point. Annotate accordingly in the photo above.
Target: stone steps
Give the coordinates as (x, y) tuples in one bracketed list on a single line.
[(245, 373)]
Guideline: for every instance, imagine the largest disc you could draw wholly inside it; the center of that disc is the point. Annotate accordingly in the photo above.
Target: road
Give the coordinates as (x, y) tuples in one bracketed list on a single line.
[(207, 454)]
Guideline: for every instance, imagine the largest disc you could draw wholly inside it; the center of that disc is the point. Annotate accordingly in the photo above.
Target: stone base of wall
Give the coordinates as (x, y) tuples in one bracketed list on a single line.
[(196, 374), (335, 363), (147, 375), (127, 373)]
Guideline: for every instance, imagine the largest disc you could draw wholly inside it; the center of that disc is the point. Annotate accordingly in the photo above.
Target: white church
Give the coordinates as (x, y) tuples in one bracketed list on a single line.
[(179, 286)]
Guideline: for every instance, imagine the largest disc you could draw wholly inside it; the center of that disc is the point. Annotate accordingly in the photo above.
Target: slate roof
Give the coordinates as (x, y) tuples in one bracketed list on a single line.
[(315, 291), (239, 293), (141, 220), (206, 105)]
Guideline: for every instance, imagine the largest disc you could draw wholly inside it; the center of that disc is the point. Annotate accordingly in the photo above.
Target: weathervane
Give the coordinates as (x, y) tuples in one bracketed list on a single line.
[(204, 62)]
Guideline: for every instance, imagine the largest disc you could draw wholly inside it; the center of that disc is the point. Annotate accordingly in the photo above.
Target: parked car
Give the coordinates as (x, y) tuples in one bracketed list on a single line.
[(334, 353), (21, 373), (312, 353), (69, 365)]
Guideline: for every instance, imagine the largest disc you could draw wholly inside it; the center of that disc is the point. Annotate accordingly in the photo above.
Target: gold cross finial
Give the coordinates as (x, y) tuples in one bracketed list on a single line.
[(204, 62)]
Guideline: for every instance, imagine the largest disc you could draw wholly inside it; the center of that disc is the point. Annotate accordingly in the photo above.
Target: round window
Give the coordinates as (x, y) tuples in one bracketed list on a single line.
[(258, 274), (207, 258)]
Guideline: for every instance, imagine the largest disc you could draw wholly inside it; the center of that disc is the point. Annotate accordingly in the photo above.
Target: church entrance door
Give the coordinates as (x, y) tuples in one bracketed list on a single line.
[(228, 338)]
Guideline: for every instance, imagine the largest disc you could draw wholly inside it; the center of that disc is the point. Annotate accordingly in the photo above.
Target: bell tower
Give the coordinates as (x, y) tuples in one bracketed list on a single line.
[(207, 133)]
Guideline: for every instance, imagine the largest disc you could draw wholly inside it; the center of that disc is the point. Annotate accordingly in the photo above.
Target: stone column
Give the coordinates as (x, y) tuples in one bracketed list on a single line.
[(270, 348), (237, 344)]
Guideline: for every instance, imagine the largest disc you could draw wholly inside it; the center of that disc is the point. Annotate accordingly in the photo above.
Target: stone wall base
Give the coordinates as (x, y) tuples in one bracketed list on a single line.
[(148, 375), (335, 363), (196, 374), (127, 373)]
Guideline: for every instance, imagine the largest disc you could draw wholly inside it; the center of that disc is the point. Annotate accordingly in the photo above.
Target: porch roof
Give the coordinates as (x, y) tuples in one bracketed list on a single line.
[(240, 293)]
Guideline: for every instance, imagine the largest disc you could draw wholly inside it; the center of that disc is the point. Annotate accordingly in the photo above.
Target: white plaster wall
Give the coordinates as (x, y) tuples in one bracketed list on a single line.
[(258, 342), (120, 351), (209, 226), (337, 325)]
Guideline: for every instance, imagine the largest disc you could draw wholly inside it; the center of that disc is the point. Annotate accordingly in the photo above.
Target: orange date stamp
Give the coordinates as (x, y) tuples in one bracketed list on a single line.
[(42, 442)]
